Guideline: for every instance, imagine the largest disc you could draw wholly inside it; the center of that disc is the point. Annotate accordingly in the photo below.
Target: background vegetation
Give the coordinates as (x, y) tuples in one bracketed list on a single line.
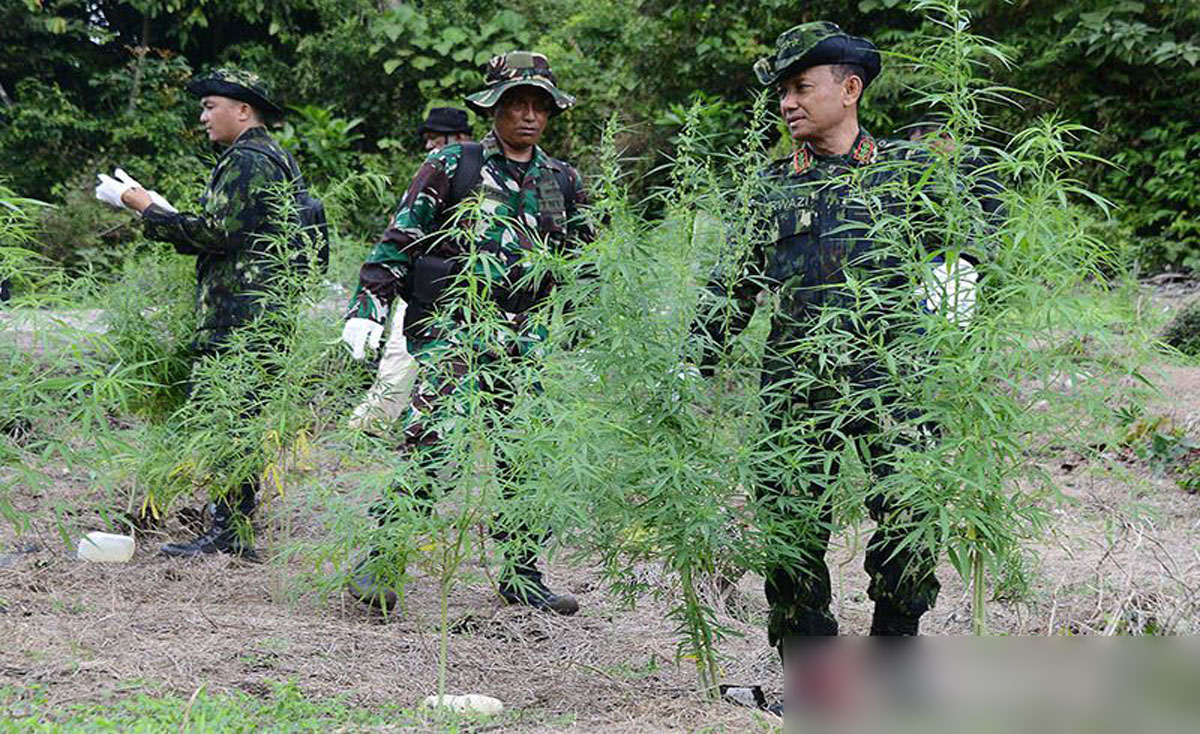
[(91, 83)]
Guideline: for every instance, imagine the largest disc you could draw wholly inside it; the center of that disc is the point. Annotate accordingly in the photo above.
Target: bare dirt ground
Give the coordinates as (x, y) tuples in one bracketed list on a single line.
[(1122, 556)]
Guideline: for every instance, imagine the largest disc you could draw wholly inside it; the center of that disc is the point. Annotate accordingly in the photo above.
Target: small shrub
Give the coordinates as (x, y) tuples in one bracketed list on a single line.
[(85, 236), (1183, 333)]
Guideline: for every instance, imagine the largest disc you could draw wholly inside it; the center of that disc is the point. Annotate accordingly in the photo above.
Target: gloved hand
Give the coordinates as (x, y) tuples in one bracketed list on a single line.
[(951, 286), (129, 183), (359, 334), (109, 190)]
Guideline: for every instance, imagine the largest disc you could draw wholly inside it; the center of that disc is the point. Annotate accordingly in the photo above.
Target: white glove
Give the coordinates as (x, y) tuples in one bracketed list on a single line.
[(360, 334), (160, 201), (954, 286), (155, 197), (109, 190)]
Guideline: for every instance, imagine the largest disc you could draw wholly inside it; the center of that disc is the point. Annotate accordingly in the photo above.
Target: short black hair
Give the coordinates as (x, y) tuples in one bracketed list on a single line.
[(841, 71)]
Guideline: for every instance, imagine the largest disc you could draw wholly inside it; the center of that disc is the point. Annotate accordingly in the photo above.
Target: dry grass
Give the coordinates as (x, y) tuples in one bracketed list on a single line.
[(1122, 556)]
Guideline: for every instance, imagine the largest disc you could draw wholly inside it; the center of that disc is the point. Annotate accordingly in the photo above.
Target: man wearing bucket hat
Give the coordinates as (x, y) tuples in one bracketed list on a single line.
[(818, 234), (530, 201), (442, 126), (233, 275)]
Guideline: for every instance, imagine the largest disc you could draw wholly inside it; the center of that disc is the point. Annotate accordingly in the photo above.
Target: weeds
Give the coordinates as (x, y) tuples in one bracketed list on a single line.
[(592, 426)]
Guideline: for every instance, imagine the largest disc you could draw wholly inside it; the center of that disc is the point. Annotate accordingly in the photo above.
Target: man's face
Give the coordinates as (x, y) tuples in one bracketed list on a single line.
[(437, 141), (521, 116), (224, 119), (812, 102)]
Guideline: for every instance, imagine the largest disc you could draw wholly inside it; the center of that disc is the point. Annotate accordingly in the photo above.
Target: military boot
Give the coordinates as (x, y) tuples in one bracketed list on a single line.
[(222, 535), (368, 585), (530, 590), (891, 622)]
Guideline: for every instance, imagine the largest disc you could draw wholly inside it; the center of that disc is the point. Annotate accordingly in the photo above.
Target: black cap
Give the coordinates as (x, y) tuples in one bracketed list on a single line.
[(445, 120), (817, 44)]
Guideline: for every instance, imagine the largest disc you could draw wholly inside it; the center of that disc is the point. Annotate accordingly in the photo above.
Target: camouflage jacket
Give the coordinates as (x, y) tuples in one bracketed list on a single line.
[(818, 233), (522, 211), (232, 270)]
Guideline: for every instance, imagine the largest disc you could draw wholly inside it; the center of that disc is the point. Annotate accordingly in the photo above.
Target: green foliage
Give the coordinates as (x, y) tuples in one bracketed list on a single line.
[(612, 443), (19, 264), (1163, 166), (84, 236), (284, 709), (45, 137), (321, 141), (91, 88), (443, 55), (1183, 333)]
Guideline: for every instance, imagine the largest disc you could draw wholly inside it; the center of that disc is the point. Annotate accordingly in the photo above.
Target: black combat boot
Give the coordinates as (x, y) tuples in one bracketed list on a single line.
[(368, 586), (531, 591), (222, 536), (891, 622)]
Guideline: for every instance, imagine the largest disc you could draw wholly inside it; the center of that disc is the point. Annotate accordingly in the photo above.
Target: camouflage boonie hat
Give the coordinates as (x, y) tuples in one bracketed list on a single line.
[(515, 69), (816, 44), (244, 86)]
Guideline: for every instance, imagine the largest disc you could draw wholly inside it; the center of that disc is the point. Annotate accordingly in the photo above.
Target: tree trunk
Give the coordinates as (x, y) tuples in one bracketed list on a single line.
[(140, 51)]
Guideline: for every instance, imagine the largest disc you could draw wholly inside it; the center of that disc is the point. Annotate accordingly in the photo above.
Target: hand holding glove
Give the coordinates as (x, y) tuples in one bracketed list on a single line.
[(111, 190), (359, 333)]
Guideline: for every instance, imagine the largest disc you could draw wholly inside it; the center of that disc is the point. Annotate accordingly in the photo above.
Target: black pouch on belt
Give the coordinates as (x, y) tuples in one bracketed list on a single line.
[(431, 277)]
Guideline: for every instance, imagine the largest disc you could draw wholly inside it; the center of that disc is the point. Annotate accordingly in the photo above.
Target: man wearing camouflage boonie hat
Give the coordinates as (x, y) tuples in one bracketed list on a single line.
[(233, 274), (530, 202), (818, 237)]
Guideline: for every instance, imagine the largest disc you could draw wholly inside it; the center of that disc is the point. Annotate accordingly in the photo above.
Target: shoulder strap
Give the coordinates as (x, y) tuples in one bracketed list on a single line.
[(467, 174), (566, 184), (283, 161)]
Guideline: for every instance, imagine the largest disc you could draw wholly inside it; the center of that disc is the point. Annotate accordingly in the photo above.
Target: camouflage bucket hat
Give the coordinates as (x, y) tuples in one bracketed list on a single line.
[(244, 86), (515, 69), (816, 44)]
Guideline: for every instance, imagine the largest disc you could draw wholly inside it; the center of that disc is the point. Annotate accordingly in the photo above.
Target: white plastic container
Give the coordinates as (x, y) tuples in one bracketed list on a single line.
[(470, 703), (105, 547)]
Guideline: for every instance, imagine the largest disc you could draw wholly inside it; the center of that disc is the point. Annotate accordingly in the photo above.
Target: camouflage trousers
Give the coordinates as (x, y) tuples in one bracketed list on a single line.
[(440, 399), (242, 499), (902, 580)]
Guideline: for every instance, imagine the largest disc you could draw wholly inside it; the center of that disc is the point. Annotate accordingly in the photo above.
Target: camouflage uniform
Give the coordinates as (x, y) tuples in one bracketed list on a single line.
[(523, 210), (817, 237), (233, 272), (525, 207), (234, 268)]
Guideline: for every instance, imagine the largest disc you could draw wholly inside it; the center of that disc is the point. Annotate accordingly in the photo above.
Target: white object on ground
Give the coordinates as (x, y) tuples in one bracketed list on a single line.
[(470, 703), (105, 547), (389, 398), (361, 333)]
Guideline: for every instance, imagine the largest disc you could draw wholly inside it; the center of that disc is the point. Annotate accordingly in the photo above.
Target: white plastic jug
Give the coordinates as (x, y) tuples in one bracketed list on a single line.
[(472, 702), (105, 547)]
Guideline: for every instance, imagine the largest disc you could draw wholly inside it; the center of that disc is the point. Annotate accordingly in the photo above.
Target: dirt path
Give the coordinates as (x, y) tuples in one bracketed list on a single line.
[(1122, 556)]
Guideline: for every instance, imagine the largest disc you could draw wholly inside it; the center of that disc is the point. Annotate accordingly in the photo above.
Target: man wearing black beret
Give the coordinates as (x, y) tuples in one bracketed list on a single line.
[(225, 234), (818, 242)]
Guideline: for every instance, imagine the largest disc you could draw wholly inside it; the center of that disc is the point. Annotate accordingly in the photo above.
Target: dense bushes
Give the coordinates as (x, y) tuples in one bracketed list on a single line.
[(92, 83)]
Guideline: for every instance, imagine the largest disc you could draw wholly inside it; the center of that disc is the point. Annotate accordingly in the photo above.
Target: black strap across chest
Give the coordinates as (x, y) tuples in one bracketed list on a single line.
[(468, 175)]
